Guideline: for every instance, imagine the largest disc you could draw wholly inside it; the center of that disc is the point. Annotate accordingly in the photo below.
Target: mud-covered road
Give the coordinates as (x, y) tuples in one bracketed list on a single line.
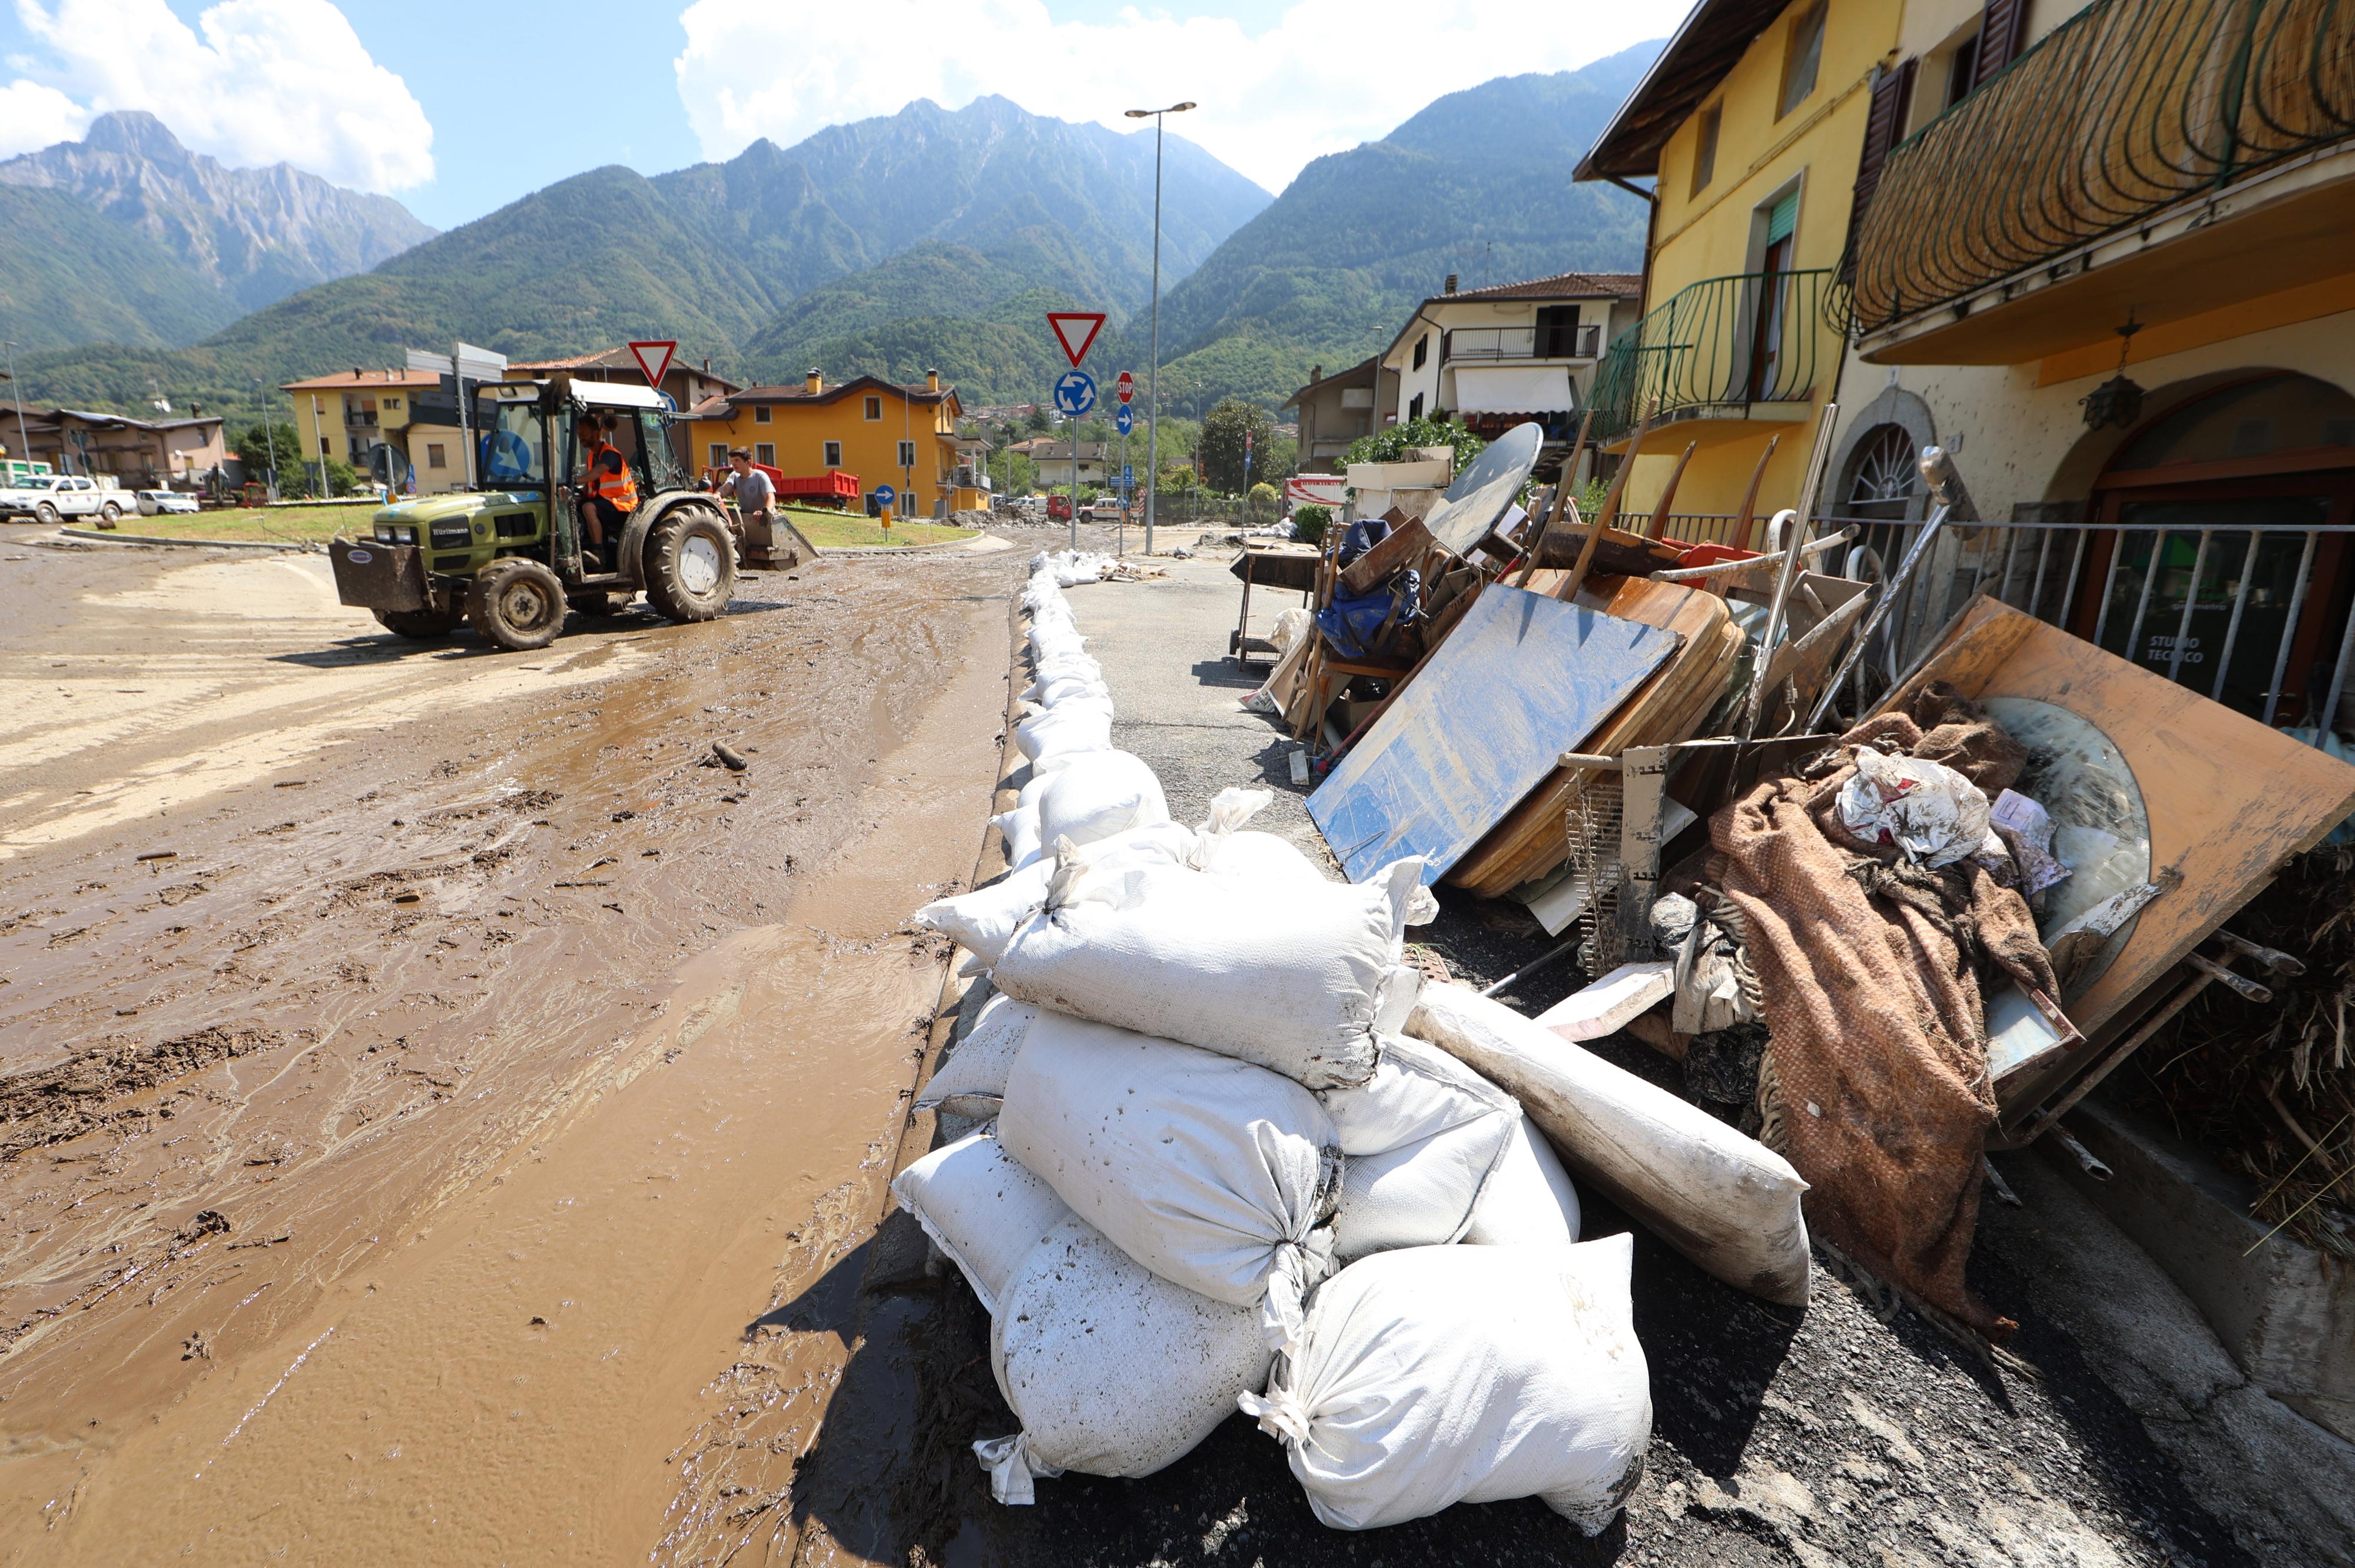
[(426, 1082)]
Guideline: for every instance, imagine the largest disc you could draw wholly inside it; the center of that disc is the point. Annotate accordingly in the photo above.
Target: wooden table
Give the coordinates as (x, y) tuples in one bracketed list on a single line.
[(1273, 566)]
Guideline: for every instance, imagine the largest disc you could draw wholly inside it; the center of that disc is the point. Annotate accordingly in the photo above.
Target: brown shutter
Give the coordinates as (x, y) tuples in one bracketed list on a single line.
[(1892, 95), (2001, 27)]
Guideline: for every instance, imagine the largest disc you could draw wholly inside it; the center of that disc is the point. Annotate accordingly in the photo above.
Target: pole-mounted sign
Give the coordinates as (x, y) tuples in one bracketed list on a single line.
[(1079, 327)]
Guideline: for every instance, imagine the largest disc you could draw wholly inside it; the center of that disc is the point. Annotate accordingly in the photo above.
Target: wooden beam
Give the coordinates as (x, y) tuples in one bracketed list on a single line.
[(1750, 496), (1610, 509), (1668, 496)]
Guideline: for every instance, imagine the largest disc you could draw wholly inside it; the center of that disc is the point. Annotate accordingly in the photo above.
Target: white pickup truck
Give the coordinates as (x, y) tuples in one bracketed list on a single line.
[(54, 497)]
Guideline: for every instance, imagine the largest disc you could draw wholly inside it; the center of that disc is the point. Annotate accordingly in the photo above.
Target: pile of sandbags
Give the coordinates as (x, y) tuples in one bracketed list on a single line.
[(1216, 1171)]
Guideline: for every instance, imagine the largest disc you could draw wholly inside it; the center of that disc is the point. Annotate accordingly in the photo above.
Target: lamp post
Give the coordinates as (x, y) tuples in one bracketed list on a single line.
[(17, 395), (1153, 367)]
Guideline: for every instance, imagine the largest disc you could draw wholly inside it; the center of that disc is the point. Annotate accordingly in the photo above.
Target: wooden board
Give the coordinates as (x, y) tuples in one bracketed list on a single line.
[(1399, 548), (1520, 680), (1529, 841), (2229, 799)]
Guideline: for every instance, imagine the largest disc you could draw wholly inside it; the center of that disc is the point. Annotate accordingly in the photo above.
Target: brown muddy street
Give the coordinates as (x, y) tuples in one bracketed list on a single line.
[(408, 1160)]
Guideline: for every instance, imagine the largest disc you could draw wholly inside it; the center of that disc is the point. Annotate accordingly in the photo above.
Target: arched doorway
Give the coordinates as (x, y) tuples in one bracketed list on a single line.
[(1882, 474), (2220, 555)]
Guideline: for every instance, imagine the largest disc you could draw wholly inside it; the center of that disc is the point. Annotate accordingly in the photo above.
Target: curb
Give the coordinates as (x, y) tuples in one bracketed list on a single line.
[(114, 539)]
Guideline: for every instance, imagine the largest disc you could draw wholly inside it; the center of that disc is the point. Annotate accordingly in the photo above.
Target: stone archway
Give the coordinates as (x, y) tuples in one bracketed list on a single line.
[(1859, 453)]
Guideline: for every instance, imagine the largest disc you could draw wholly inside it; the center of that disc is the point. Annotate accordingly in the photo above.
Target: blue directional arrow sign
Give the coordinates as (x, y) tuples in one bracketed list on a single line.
[(885, 495), (1075, 392), (1126, 420)]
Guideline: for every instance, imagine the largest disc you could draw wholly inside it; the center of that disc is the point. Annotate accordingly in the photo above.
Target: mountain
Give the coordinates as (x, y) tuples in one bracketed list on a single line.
[(68, 274), (716, 254), (1477, 183), (254, 235)]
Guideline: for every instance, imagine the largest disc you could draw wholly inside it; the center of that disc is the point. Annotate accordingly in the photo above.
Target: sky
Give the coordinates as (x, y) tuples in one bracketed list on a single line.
[(417, 99)]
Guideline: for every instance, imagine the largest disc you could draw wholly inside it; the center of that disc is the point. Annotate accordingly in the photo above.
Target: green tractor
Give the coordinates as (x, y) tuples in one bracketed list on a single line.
[(509, 556)]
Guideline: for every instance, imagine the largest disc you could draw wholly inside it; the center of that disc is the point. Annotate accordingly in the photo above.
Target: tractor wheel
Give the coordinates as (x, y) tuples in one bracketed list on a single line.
[(46, 513), (691, 563), (601, 605), (420, 624), (517, 604)]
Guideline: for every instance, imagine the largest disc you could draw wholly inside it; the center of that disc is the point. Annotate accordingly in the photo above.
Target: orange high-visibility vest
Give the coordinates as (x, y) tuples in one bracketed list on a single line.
[(621, 489)]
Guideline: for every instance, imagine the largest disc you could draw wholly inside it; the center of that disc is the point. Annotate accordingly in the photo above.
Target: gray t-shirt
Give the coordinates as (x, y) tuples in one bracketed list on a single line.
[(753, 490)]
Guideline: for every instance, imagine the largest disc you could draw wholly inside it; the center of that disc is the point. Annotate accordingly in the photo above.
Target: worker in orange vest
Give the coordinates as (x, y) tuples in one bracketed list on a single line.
[(608, 492)]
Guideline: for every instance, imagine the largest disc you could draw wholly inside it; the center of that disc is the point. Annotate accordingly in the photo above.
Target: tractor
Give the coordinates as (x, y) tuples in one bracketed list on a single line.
[(508, 555)]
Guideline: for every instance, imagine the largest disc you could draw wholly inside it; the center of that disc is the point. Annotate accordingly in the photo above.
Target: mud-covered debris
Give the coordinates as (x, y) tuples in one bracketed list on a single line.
[(207, 1222), (729, 757), (159, 854), (50, 1104)]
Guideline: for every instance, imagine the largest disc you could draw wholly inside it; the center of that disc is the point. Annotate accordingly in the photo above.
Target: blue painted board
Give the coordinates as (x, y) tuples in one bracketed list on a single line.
[(1522, 679)]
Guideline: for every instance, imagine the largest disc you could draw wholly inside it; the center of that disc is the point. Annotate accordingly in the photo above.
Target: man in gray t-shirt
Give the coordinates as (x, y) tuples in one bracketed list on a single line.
[(756, 503), (749, 488)]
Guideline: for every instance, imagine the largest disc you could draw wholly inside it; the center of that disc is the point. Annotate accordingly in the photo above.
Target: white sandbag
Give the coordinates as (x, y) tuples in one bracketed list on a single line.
[(1257, 856), (1421, 1138), (1726, 1201), (1211, 1172), (1233, 807), (1067, 667), (972, 1082), (1439, 1375), (1020, 829), (1047, 692), (1112, 1370), (1289, 982), (982, 1208), (1080, 725), (1529, 1199), (1099, 795), (1118, 871), (983, 921)]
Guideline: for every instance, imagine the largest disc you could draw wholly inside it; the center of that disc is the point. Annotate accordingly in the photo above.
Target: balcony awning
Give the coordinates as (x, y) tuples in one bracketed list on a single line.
[(1516, 389)]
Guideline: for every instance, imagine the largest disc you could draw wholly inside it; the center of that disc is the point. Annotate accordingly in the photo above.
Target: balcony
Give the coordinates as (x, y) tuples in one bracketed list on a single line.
[(1722, 355), (2168, 156), (1472, 345)]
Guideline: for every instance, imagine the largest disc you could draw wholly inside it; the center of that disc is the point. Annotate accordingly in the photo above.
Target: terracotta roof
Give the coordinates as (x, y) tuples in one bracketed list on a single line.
[(353, 380), (799, 392), (1560, 286), (1711, 42)]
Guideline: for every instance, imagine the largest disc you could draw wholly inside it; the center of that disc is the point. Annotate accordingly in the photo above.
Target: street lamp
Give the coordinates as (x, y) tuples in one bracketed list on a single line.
[(1153, 369), (17, 395)]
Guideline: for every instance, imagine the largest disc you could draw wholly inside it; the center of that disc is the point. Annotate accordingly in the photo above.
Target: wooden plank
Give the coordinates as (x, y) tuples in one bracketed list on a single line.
[(1374, 567), (1448, 759), (2229, 799)]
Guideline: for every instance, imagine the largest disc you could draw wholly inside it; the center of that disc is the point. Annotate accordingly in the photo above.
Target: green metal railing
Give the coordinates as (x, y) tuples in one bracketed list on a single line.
[(1718, 344), (2126, 108)]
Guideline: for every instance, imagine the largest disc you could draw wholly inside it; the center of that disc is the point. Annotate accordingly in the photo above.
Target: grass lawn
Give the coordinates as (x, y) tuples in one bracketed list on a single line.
[(843, 530), (287, 525)]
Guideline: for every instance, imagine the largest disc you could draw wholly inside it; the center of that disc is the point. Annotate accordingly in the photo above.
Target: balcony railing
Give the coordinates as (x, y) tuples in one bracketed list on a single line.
[(1718, 346), (2123, 110), (1521, 342)]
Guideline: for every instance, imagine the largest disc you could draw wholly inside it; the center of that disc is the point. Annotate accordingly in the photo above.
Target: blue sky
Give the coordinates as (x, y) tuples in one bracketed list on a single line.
[(419, 98)]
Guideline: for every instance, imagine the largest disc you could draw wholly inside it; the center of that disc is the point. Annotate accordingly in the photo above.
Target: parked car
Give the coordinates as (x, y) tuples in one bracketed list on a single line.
[(54, 497), (1104, 509), (1059, 507), (155, 502)]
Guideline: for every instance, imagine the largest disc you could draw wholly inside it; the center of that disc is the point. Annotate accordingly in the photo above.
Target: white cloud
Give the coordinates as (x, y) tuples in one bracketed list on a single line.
[(34, 116), (1327, 75), (256, 81)]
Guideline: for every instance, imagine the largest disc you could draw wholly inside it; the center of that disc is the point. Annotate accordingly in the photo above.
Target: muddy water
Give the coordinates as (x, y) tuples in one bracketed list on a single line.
[(568, 1073)]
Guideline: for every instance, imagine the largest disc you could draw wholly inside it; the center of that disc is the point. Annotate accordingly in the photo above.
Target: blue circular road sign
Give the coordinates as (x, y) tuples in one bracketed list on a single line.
[(885, 495), (1075, 392), (1127, 418)]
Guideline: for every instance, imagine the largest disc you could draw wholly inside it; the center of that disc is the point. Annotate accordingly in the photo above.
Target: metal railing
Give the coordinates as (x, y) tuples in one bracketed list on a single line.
[(2125, 110), (1719, 346), (1583, 342)]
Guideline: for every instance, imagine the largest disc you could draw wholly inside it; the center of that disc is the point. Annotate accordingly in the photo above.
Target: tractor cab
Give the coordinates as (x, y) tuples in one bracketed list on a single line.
[(506, 554)]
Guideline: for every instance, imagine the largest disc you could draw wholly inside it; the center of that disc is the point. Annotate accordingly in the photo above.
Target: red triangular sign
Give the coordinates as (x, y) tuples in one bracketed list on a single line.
[(654, 359), (1066, 322)]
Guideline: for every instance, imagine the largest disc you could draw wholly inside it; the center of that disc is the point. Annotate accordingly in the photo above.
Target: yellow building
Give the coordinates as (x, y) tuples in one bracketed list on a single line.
[(883, 433), (1750, 125), (395, 426)]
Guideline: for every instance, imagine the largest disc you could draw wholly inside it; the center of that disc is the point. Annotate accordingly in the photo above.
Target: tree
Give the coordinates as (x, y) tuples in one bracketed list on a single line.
[(1266, 501), (1037, 421), (1221, 453), (1013, 473), (256, 444)]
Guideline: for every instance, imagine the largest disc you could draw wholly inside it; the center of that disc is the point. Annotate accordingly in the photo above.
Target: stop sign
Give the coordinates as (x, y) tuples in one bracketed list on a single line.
[(1126, 386)]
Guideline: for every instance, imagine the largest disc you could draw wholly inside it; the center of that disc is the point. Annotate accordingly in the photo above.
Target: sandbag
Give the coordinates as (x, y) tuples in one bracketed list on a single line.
[(1256, 856), (1726, 1201), (1084, 724), (1529, 1199), (1214, 1175), (1289, 982), (1439, 1375), (982, 1208), (972, 1082), (1047, 692), (1112, 1370), (983, 921), (1020, 829), (1421, 1138), (1118, 871), (1097, 796)]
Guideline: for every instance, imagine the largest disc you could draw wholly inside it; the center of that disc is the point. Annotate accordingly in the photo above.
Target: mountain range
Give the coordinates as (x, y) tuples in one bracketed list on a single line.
[(928, 238)]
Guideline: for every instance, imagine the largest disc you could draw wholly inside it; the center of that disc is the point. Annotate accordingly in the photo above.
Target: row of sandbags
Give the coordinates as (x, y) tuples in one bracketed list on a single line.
[(1218, 1167)]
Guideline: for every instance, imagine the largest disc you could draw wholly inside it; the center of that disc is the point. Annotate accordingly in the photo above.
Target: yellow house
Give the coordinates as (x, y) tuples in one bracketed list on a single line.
[(877, 431), (395, 426), (1750, 125)]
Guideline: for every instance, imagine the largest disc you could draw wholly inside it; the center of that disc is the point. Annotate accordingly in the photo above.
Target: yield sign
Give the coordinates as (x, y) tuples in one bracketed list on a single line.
[(1085, 324), (654, 359)]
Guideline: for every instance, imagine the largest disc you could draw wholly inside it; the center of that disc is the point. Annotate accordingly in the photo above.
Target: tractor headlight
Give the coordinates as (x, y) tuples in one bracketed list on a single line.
[(396, 534)]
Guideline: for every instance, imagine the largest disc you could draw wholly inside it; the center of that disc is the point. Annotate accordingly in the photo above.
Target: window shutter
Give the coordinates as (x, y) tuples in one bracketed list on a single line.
[(1892, 95), (2001, 28)]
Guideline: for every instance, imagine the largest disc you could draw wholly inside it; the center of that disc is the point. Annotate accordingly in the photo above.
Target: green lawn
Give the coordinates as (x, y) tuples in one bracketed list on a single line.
[(287, 524), (844, 530)]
